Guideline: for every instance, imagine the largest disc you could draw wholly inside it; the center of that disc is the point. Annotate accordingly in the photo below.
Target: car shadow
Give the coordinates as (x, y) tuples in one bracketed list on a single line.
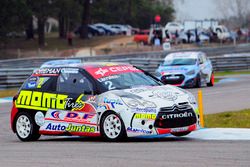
[(127, 140)]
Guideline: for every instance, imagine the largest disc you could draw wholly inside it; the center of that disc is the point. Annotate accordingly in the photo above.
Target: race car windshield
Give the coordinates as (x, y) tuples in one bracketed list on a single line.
[(128, 80), (179, 61)]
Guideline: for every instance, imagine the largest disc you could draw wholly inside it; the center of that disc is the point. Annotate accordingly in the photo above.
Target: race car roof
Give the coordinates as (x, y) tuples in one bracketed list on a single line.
[(55, 63), (77, 63), (96, 69), (192, 55)]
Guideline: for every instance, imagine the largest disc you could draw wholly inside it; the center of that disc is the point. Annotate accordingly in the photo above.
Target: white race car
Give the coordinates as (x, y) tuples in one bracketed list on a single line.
[(100, 99)]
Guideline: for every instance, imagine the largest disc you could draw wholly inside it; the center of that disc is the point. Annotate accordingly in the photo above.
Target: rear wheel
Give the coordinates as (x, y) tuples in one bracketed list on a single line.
[(26, 128), (179, 134), (211, 82), (112, 127)]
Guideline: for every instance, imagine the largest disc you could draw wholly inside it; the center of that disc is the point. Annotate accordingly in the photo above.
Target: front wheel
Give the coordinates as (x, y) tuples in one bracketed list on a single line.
[(26, 128), (179, 134), (112, 127)]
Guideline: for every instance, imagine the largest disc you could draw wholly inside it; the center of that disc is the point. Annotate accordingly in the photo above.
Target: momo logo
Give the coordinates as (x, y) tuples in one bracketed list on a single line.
[(101, 71), (145, 116), (82, 128), (40, 100)]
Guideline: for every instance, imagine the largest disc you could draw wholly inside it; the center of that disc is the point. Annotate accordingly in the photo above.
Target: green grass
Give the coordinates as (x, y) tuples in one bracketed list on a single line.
[(8, 93), (235, 119), (53, 42), (216, 80), (223, 73)]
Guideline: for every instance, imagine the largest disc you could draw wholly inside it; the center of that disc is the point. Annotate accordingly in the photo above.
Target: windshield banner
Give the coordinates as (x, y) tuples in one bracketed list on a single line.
[(111, 70)]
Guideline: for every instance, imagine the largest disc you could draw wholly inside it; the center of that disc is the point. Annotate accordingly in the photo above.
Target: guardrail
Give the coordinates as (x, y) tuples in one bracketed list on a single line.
[(14, 77), (210, 51)]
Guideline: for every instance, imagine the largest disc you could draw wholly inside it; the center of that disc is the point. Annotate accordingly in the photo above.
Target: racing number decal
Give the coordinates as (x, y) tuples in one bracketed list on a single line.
[(110, 85), (40, 83)]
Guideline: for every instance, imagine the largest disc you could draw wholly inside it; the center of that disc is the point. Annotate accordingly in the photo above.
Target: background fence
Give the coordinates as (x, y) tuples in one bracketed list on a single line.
[(14, 72)]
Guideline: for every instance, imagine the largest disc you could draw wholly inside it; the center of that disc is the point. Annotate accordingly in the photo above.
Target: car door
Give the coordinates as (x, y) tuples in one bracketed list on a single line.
[(205, 67), (78, 86), (79, 112), (208, 69), (202, 68)]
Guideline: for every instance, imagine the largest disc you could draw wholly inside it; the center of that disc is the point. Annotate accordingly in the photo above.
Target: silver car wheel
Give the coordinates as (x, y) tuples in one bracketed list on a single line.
[(112, 126), (23, 126)]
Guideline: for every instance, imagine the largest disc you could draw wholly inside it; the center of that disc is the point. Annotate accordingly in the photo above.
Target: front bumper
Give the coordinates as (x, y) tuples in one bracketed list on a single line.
[(177, 118), (180, 80)]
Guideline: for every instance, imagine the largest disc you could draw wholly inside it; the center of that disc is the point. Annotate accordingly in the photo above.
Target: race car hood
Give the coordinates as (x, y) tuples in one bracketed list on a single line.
[(155, 96), (164, 70)]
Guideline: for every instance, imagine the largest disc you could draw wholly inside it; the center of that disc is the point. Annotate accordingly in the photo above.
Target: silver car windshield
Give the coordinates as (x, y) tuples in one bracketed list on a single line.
[(179, 61)]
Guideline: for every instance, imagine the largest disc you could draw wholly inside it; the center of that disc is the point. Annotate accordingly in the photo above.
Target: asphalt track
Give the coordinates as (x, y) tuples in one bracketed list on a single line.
[(233, 94)]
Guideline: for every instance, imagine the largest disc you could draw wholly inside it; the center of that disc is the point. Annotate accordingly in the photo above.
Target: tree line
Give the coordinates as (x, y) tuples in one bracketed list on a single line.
[(17, 15)]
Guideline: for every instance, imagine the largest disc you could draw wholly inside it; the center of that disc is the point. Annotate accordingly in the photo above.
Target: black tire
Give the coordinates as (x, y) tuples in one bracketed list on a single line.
[(33, 128), (179, 134), (116, 136), (198, 81)]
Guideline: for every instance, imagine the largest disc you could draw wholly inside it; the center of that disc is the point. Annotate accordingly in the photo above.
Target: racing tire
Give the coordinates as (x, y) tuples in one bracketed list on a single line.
[(198, 81), (179, 134), (211, 82), (112, 127), (26, 128)]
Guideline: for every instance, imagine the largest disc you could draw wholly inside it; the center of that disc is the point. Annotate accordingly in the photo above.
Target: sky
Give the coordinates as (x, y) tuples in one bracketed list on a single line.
[(196, 9)]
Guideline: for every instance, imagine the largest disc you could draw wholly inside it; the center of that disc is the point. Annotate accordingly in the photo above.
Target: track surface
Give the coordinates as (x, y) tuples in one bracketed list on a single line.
[(172, 151)]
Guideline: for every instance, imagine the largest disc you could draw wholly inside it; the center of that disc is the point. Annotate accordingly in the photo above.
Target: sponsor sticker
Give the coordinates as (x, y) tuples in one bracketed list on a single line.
[(138, 130), (70, 116), (111, 70), (145, 116), (144, 110), (113, 102)]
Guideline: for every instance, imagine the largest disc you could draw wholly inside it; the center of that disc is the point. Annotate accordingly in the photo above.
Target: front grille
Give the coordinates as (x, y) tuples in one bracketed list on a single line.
[(175, 116), (173, 79), (179, 107)]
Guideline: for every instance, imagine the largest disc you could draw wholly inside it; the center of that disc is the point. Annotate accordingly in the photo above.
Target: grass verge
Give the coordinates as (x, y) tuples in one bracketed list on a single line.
[(235, 119), (8, 93), (223, 73)]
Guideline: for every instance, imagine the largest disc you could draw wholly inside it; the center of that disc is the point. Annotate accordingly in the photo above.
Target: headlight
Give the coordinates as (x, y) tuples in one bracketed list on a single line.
[(192, 72), (134, 103)]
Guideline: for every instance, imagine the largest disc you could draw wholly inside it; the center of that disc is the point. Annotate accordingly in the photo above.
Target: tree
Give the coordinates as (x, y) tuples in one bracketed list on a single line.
[(85, 18), (13, 14), (68, 14), (139, 13), (239, 9), (41, 9)]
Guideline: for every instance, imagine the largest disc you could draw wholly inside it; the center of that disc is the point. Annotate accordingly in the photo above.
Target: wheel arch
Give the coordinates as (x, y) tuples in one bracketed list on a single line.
[(19, 110)]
